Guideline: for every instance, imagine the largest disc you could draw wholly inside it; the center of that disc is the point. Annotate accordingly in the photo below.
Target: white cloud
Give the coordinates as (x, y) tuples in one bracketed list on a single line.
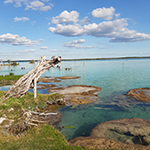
[(33, 22), (75, 44), (45, 8), (104, 13), (54, 50), (35, 5), (29, 50), (116, 30), (49, 23), (85, 20), (8, 1), (21, 19), (44, 47), (41, 5), (65, 17), (40, 40), (67, 30), (45, 0), (15, 39)]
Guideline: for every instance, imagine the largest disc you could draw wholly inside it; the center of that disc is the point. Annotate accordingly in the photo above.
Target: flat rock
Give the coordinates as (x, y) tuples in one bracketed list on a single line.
[(48, 79), (140, 94), (124, 133), (78, 94), (68, 77)]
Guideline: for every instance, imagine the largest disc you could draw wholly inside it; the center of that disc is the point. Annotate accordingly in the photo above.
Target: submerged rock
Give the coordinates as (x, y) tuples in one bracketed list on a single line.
[(125, 133), (48, 79), (68, 77), (140, 94)]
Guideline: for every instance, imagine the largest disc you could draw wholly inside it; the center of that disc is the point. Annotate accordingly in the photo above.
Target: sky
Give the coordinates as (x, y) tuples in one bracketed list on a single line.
[(74, 29)]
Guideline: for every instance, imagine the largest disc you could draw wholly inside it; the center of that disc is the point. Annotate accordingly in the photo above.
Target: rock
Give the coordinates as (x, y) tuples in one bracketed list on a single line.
[(68, 77), (121, 134), (48, 79), (140, 94), (78, 94)]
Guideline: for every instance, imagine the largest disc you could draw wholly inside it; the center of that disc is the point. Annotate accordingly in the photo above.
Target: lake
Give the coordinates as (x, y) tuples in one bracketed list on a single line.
[(115, 77)]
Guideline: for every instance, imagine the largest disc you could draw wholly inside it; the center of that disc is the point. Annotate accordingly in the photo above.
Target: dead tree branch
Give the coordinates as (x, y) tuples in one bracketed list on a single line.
[(26, 82)]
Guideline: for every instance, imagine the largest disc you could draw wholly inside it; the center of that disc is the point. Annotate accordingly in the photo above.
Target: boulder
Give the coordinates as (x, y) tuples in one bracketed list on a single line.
[(140, 94), (124, 133)]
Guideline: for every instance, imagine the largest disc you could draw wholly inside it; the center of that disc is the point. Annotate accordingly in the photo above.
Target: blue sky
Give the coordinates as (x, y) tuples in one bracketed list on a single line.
[(74, 28)]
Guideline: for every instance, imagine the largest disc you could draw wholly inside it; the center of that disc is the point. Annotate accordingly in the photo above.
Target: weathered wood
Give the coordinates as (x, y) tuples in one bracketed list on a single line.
[(27, 81), (35, 88)]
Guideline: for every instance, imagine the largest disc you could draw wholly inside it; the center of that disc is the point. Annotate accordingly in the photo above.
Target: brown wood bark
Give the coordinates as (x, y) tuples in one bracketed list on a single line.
[(26, 82)]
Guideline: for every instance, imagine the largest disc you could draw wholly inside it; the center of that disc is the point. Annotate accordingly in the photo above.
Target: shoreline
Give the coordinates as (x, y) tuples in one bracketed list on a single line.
[(80, 59)]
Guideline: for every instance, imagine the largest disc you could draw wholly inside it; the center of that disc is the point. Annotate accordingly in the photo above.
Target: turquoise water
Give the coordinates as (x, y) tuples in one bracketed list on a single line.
[(115, 77)]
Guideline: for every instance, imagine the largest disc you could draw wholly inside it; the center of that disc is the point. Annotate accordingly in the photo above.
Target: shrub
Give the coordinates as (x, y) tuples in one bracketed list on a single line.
[(32, 61), (11, 74)]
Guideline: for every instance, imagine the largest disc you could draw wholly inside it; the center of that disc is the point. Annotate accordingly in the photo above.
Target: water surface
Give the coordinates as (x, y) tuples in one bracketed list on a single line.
[(115, 77)]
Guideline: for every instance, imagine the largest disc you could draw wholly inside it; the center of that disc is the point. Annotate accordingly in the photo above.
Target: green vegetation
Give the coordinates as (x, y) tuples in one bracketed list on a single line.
[(43, 137), (104, 58), (13, 63), (9, 63), (32, 61), (27, 102), (10, 77), (11, 74), (67, 127)]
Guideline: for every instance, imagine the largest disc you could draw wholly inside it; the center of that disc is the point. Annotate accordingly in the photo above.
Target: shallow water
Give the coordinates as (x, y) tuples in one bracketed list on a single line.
[(115, 77)]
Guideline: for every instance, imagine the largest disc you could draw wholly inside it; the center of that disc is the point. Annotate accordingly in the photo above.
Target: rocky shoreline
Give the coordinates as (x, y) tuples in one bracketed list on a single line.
[(126, 133)]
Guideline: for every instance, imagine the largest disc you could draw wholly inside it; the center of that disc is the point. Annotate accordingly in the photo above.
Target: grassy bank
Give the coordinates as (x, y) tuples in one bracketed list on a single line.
[(42, 137), (10, 77), (27, 102)]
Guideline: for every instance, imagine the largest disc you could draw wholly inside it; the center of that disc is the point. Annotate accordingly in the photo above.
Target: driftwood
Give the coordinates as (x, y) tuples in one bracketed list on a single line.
[(28, 81)]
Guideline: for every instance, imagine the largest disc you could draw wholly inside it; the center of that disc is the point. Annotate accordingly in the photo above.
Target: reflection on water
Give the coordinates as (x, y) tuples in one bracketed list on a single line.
[(115, 77)]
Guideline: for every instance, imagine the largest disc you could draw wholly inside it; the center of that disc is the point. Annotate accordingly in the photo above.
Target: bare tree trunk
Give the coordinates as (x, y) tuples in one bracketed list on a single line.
[(28, 81), (34, 90)]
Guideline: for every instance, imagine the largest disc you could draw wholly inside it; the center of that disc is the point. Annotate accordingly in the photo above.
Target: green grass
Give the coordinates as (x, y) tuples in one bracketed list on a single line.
[(43, 137), (27, 102), (10, 77)]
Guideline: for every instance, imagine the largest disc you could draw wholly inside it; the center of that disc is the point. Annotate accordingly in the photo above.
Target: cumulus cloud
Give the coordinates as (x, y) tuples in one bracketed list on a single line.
[(8, 1), (44, 47), (116, 29), (67, 30), (65, 17), (85, 20), (75, 44), (37, 5), (21, 19), (15, 39), (41, 5), (29, 50), (104, 13)]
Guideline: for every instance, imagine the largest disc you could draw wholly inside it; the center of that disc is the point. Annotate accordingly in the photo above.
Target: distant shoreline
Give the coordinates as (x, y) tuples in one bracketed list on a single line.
[(80, 59)]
